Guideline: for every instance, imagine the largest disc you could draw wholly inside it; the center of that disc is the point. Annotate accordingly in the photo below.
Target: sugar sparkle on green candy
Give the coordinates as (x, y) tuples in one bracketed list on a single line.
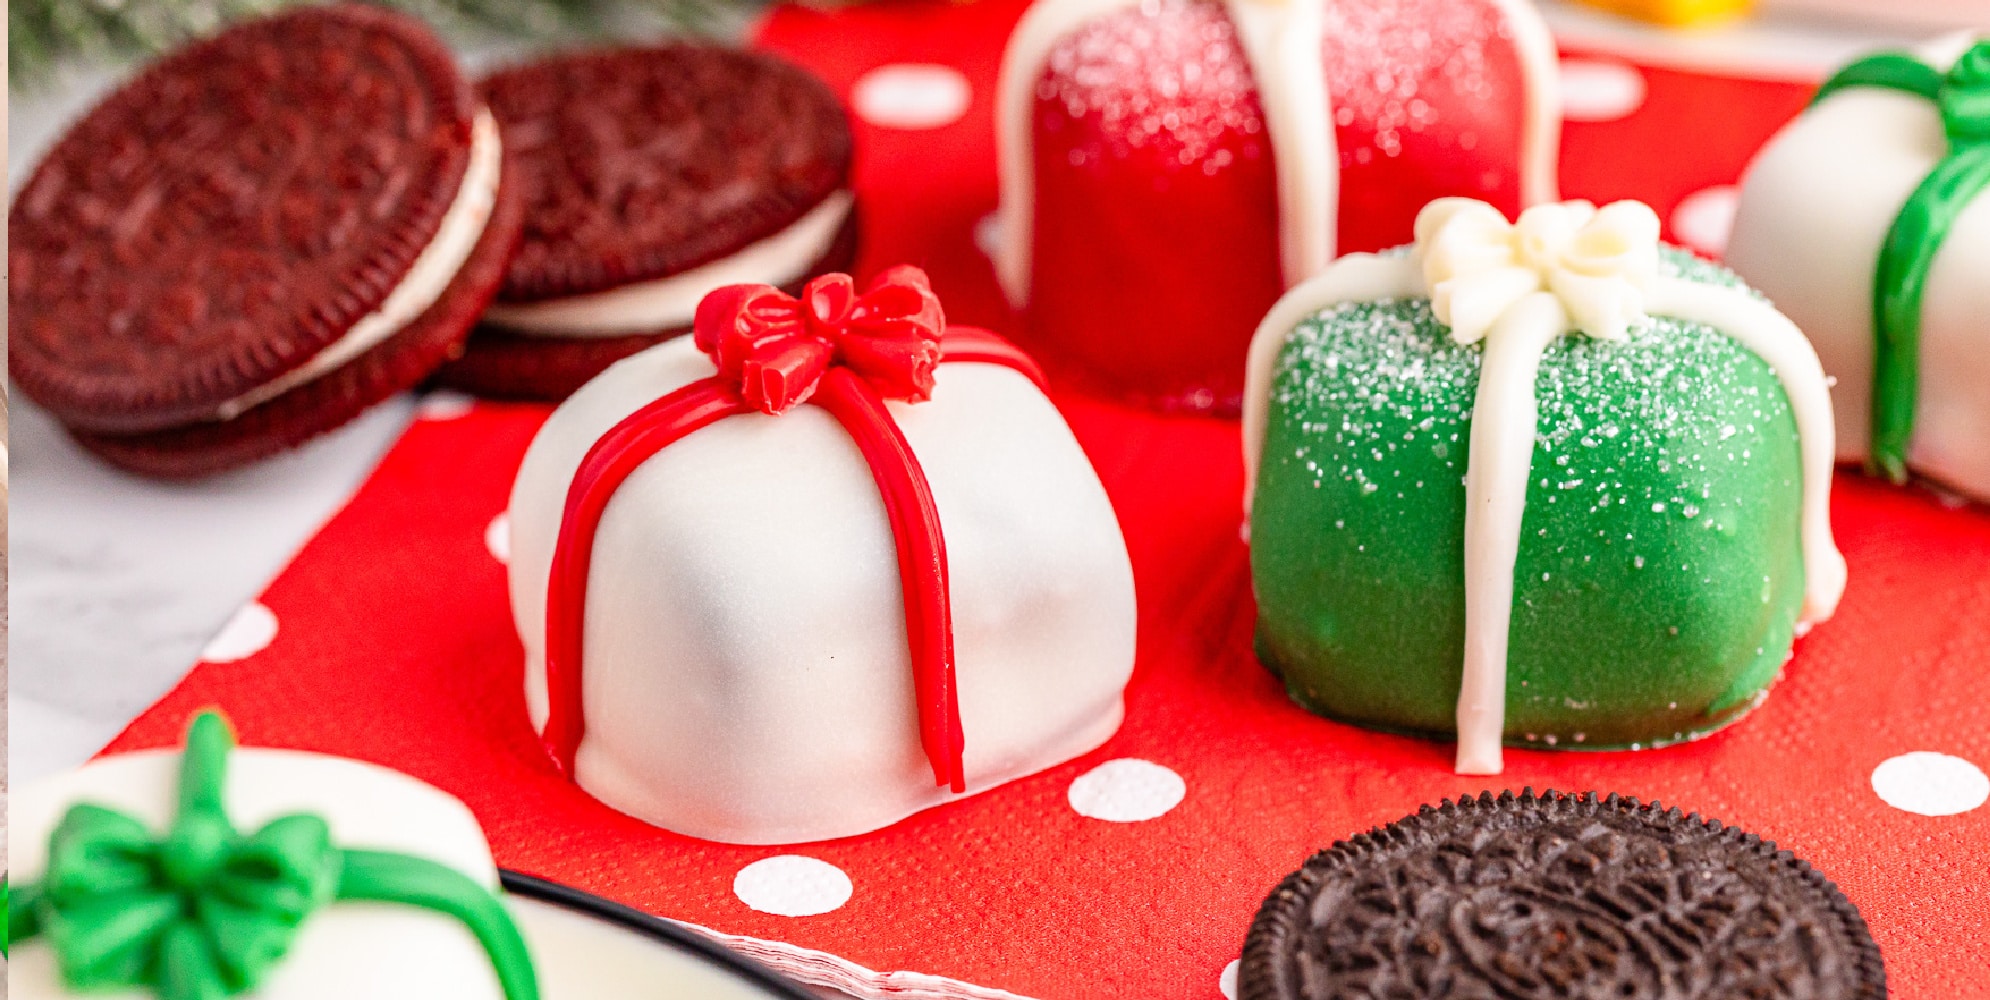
[(1660, 570)]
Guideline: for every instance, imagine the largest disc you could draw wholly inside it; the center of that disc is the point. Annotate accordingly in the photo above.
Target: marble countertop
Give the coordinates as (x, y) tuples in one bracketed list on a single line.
[(117, 581)]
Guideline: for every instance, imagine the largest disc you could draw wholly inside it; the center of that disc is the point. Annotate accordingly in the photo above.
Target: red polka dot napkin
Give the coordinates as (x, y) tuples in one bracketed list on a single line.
[(1134, 871)]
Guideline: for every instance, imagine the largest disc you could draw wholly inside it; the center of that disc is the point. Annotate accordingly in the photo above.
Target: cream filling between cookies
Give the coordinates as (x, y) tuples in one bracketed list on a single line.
[(434, 268), (670, 303)]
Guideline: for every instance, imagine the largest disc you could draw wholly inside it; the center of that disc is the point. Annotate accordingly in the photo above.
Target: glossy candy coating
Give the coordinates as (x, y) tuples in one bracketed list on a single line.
[(1660, 572), (1155, 178)]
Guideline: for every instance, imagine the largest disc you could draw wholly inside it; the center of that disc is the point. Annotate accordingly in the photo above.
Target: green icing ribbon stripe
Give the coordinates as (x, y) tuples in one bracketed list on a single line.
[(1918, 232), (205, 912)]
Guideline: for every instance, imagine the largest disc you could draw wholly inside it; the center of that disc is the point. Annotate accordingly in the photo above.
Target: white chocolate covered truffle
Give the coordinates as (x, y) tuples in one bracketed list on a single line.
[(1817, 206), (343, 950), (747, 677)]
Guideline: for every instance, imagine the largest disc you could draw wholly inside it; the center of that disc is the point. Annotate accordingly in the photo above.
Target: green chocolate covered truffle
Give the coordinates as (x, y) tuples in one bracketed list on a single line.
[(1660, 573)]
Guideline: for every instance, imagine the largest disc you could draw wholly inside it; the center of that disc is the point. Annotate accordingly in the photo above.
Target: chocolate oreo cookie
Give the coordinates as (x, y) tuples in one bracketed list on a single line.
[(1558, 896), (651, 176), (256, 238)]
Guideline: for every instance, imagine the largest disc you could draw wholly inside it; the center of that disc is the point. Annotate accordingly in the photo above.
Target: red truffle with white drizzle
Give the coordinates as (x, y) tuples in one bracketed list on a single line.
[(1197, 158)]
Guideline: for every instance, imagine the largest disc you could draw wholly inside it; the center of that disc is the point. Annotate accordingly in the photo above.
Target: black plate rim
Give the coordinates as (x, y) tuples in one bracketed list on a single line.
[(628, 918)]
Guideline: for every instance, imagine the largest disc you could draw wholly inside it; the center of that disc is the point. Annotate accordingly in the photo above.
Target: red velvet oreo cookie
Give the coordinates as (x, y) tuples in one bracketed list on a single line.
[(651, 176), (256, 238)]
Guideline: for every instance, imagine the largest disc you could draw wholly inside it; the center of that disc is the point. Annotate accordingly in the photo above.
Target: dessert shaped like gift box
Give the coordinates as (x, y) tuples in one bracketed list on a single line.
[(754, 621), (1867, 220), (283, 875), (1169, 168), (279, 874), (1545, 483)]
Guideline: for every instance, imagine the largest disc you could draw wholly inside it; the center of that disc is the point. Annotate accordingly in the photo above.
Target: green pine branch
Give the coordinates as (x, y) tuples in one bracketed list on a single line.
[(43, 34)]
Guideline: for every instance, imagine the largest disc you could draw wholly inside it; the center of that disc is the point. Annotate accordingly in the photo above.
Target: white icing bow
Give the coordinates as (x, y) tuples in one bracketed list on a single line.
[(1599, 264)]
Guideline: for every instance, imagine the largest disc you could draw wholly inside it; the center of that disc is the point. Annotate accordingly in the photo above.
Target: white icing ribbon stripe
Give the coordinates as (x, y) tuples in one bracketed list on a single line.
[(1517, 288), (1599, 265)]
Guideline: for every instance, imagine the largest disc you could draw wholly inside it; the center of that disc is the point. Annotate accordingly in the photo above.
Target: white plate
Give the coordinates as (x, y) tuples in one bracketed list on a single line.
[(587, 948)]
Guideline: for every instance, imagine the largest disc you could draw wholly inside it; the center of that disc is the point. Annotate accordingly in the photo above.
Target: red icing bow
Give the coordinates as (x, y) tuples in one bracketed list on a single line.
[(774, 349), (846, 353)]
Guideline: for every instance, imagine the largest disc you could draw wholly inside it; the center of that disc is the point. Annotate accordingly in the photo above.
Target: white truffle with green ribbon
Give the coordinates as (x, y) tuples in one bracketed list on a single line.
[(1867, 220)]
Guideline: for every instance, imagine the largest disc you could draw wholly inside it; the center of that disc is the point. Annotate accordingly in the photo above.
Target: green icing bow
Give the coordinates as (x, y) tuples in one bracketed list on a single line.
[(1963, 97), (205, 911)]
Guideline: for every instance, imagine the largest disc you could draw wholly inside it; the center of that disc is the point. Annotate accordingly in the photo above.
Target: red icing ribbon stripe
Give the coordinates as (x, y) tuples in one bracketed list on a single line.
[(846, 353)]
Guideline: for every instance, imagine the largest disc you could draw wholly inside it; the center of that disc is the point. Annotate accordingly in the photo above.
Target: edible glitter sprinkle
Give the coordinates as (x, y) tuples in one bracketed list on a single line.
[(1393, 63), (1168, 84), (1167, 78), (1389, 364)]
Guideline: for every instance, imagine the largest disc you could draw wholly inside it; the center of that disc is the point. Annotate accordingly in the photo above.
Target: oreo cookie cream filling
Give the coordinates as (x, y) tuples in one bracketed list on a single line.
[(434, 268), (666, 303)]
